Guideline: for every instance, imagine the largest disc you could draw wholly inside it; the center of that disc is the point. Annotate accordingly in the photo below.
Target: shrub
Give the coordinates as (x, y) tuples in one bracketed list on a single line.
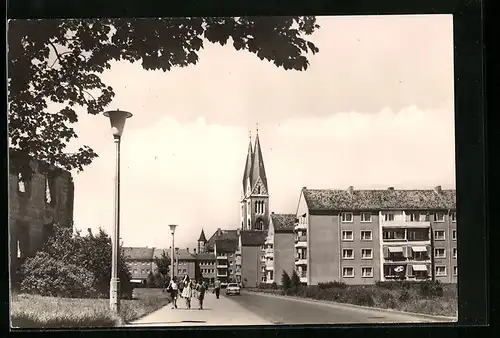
[(404, 296), (92, 253), (47, 276), (286, 282), (274, 286), (362, 297), (429, 289), (295, 282), (395, 285), (388, 300), (334, 284)]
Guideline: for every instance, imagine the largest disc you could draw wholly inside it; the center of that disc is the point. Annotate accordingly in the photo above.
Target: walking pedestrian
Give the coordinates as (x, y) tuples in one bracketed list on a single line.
[(217, 288), (201, 293), (187, 292), (173, 289)]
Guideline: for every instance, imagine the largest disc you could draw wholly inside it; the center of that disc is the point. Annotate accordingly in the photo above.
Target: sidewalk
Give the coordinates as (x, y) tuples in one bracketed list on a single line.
[(216, 312)]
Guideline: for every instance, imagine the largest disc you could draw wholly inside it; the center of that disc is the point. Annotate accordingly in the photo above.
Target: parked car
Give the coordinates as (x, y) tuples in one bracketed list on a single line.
[(233, 289)]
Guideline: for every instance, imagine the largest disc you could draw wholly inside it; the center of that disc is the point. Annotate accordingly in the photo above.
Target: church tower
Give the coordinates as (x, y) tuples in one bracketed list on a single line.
[(202, 241), (255, 196)]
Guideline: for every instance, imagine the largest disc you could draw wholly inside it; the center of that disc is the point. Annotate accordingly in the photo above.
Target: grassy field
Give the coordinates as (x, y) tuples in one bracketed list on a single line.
[(410, 299), (32, 311)]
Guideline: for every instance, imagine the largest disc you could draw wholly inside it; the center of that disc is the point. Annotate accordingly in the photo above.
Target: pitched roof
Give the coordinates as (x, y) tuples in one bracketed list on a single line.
[(226, 245), (330, 200), (253, 237), (220, 234), (158, 252), (248, 165), (205, 256), (202, 237), (283, 222), (258, 169), (185, 255), (131, 253)]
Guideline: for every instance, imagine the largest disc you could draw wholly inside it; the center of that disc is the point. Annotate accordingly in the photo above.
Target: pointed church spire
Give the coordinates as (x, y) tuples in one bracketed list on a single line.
[(248, 164), (258, 169), (202, 237)]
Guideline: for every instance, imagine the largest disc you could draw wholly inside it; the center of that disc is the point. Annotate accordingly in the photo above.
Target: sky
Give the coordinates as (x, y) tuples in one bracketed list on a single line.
[(374, 109)]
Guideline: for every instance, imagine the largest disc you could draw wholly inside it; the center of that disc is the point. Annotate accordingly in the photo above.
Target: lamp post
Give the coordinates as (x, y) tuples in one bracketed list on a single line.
[(176, 260), (117, 119), (172, 254)]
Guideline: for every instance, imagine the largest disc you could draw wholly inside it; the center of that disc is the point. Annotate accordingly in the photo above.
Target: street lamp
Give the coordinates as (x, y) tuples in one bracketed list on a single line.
[(172, 254), (176, 260), (117, 119)]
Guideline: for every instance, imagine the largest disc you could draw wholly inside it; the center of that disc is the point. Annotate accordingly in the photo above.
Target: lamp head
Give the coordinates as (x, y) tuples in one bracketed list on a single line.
[(172, 228), (117, 119)]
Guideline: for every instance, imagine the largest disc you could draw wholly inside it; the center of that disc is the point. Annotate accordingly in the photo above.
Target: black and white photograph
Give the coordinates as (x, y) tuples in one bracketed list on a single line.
[(228, 171)]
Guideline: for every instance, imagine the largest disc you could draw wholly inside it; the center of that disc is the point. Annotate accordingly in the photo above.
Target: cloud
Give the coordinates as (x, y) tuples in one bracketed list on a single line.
[(190, 173)]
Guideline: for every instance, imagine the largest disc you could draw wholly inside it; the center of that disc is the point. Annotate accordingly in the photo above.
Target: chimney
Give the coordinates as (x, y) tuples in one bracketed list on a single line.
[(390, 188), (187, 249), (304, 188), (194, 251), (438, 189), (272, 212), (350, 189)]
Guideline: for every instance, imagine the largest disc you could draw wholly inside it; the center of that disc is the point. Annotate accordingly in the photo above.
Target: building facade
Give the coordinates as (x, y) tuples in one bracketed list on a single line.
[(280, 254), (140, 263), (37, 201), (364, 236)]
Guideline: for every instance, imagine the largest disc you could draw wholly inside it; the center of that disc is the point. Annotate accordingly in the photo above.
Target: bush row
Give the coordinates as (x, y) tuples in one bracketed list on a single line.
[(74, 266)]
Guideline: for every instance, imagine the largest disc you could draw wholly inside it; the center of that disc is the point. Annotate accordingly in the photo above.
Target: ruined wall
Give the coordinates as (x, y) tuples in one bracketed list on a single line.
[(33, 207)]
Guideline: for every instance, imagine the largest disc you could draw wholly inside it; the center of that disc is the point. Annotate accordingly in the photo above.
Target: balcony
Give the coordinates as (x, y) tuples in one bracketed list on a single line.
[(269, 267), (302, 276), (222, 257), (301, 242), (301, 261), (238, 252), (405, 224), (222, 273), (269, 253), (263, 259), (300, 226), (269, 240), (237, 261)]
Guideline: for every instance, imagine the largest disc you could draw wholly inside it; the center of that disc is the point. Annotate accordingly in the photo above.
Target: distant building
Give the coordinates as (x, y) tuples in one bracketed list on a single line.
[(280, 254), (250, 244), (364, 236), (36, 203), (139, 262)]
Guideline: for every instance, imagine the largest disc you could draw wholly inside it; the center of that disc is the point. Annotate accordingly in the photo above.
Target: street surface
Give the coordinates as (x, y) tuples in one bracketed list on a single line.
[(263, 309)]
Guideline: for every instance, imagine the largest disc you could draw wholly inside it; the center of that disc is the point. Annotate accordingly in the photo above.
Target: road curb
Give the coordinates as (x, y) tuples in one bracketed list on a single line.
[(326, 302)]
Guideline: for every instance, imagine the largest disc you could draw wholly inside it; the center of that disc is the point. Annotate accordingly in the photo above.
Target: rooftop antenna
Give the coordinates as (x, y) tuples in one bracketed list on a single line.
[(257, 127)]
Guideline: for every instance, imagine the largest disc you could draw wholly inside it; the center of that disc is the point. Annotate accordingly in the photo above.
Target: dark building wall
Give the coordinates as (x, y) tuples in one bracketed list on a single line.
[(31, 214), (250, 266), (323, 246), (284, 254)]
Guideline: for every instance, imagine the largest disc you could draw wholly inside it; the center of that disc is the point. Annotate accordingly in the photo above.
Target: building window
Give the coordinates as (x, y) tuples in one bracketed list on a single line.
[(148, 271), (134, 271), (439, 253), (367, 272), (455, 271), (439, 217), (348, 253), (367, 253), (439, 235), (440, 270), (388, 216), (347, 235), (20, 183), (48, 194), (366, 235), (346, 217), (348, 272), (263, 279), (453, 216), (18, 250), (454, 235), (394, 235), (454, 252), (142, 271), (366, 217)]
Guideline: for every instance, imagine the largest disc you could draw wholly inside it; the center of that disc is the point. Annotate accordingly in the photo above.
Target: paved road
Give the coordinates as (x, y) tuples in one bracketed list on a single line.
[(280, 310), (263, 309)]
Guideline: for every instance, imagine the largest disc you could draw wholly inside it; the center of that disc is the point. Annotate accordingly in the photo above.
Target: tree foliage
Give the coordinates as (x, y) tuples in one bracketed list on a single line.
[(60, 61), (286, 283), (65, 252), (295, 281), (163, 264)]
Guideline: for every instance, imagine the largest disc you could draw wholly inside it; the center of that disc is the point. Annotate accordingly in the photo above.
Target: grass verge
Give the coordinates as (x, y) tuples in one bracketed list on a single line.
[(399, 297), (32, 311)]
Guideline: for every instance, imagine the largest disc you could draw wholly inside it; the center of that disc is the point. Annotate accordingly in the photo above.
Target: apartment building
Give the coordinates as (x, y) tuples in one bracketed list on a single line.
[(37, 201), (364, 236), (205, 264), (279, 254), (139, 262), (250, 245)]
